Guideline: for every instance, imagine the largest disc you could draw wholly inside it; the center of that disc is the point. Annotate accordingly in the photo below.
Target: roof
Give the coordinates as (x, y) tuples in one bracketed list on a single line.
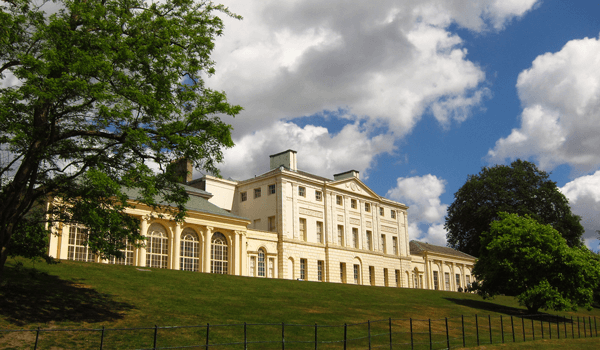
[(195, 203), (419, 248)]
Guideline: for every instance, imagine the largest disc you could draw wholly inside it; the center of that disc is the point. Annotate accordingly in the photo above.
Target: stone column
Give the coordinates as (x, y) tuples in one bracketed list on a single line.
[(237, 259), (64, 242), (207, 239), (176, 246), (453, 278), (244, 255), (142, 250)]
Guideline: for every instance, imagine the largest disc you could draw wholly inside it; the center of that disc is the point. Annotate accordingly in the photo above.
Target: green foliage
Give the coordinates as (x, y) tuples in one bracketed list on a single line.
[(520, 188), (31, 237), (107, 90), (532, 261)]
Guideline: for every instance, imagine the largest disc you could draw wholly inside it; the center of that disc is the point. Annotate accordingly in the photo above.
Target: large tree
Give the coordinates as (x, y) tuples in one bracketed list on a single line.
[(520, 188), (523, 258), (108, 93)]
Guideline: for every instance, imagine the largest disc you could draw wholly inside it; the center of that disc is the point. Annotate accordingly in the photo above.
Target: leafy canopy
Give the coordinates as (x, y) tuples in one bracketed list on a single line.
[(106, 91), (532, 261), (520, 188)]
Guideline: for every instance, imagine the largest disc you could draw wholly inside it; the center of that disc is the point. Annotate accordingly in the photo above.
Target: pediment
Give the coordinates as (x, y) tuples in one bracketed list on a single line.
[(355, 186)]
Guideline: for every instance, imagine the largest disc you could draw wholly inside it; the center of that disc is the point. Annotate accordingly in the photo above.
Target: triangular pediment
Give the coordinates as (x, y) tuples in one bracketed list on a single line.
[(354, 186)]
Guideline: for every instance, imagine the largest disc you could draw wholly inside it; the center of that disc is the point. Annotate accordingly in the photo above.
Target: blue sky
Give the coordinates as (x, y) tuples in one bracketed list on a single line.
[(417, 95)]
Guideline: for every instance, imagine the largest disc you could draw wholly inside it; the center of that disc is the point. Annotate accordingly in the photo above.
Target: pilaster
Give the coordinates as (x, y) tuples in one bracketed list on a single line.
[(207, 241), (142, 251)]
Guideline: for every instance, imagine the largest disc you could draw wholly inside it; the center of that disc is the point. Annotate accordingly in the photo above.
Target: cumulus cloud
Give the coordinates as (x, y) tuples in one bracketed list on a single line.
[(319, 151), (584, 198), (426, 213), (386, 63), (561, 109)]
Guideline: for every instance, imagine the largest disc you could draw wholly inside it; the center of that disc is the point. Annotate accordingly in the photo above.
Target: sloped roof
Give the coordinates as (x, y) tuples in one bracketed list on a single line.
[(195, 203), (419, 248)]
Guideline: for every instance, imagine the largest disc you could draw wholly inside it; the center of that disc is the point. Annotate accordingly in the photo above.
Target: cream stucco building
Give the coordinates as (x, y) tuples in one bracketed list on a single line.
[(290, 224)]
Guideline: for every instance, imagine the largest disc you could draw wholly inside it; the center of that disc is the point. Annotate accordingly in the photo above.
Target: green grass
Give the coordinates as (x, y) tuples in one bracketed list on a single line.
[(86, 295)]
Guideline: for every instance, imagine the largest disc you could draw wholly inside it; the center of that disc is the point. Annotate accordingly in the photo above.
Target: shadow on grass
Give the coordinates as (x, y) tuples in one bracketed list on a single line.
[(510, 311), (28, 296)]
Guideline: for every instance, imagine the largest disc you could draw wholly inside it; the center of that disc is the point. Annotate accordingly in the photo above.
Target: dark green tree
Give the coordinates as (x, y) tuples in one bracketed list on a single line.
[(106, 90), (520, 188), (523, 258)]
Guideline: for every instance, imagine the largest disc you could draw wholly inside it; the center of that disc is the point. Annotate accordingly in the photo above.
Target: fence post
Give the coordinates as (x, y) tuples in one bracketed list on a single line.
[(542, 325), (37, 336), (102, 338), (595, 326), (565, 324), (412, 344), (512, 325), (390, 333), (207, 335), (477, 328), (557, 326), (532, 329), (316, 336), (550, 329), (462, 320), (447, 335), (155, 334), (590, 323), (245, 337), (523, 322), (283, 337), (578, 329), (584, 330), (502, 328), (490, 325), (572, 328), (430, 342), (345, 335), (369, 332)]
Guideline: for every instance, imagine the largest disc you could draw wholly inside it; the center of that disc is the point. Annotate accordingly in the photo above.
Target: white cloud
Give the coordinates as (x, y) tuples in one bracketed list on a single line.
[(386, 63), (319, 152), (584, 198), (561, 109), (426, 213)]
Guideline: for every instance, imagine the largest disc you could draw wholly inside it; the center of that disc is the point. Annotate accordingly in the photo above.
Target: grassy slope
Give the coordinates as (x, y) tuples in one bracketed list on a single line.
[(72, 294)]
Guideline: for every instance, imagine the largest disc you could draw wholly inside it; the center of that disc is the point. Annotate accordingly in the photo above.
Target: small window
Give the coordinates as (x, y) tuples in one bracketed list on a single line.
[(386, 282), (367, 207), (303, 229), (369, 240), (355, 237), (457, 281), (393, 214), (301, 191), (353, 203), (447, 278), (272, 189), (382, 246), (257, 224), (356, 274), (381, 212), (318, 196), (341, 235), (244, 196), (338, 200), (257, 193), (303, 269), (320, 267), (261, 263), (395, 245), (272, 224), (397, 278), (319, 232)]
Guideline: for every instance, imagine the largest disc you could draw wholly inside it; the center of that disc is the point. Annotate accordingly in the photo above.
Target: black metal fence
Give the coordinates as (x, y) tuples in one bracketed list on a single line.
[(441, 333)]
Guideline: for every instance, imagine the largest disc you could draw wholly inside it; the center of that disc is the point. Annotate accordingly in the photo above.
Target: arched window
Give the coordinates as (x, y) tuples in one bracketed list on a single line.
[(157, 247), (190, 251), (78, 245), (219, 256), (261, 262)]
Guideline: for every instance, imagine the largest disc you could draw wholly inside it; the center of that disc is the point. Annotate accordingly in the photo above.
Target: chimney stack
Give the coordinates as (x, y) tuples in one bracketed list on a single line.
[(286, 158)]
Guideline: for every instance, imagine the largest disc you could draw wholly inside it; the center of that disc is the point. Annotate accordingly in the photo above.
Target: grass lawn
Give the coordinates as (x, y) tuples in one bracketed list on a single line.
[(87, 295)]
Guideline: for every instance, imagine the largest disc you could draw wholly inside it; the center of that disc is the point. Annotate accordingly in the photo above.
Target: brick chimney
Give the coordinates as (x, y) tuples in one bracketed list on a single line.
[(183, 169), (286, 158)]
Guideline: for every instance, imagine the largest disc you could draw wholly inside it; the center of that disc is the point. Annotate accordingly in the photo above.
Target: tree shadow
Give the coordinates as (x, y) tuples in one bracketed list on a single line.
[(29, 296), (508, 310)]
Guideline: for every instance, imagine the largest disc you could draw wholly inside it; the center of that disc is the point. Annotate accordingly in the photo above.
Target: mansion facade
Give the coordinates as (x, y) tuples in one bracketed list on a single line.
[(289, 224)]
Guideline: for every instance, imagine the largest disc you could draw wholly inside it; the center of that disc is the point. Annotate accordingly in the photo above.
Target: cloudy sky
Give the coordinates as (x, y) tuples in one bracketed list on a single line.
[(417, 95)]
